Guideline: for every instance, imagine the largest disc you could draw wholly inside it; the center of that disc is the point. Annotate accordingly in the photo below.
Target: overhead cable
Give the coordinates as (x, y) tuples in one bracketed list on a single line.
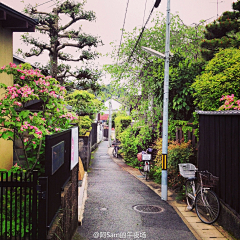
[(122, 29), (156, 4), (144, 12)]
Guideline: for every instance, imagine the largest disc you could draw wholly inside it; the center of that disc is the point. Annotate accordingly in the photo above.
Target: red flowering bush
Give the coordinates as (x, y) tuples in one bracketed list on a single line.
[(230, 103), (30, 127)]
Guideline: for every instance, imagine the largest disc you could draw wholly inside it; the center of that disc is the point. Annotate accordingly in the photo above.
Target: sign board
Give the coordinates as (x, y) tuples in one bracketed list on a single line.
[(57, 156), (146, 157), (74, 147)]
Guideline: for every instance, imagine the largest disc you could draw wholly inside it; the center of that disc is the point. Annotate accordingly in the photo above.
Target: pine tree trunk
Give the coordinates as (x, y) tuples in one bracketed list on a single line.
[(54, 43)]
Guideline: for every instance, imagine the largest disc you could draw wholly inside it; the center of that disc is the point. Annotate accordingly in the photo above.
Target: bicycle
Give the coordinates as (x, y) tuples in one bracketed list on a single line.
[(199, 194), (144, 162), (116, 147)]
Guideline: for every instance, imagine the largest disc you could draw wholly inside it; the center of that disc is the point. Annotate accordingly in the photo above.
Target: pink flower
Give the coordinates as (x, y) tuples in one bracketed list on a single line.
[(22, 77), (33, 142), (3, 67), (18, 119)]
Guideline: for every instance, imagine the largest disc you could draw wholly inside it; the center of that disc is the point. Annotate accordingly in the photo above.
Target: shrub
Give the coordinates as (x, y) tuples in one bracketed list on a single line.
[(19, 123), (129, 146), (84, 124), (177, 153), (121, 123)]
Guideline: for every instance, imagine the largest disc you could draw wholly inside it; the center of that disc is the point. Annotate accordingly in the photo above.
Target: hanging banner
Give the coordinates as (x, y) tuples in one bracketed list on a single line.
[(74, 147)]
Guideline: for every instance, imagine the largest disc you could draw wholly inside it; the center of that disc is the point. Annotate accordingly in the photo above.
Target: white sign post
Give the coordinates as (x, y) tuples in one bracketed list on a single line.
[(74, 147)]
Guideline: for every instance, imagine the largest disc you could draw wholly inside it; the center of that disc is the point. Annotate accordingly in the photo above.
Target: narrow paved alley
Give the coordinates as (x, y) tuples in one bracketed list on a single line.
[(119, 206)]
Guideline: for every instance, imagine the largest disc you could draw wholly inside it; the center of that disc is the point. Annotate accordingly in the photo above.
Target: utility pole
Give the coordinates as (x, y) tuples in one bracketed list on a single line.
[(164, 187), (110, 123)]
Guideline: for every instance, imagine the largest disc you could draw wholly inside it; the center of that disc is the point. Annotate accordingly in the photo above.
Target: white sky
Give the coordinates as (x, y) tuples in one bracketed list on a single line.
[(110, 16)]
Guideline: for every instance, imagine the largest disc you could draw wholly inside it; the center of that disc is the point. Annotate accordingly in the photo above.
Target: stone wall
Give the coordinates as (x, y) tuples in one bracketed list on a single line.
[(66, 222)]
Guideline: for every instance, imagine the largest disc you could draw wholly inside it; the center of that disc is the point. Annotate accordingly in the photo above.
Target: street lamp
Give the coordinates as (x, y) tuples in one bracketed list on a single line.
[(164, 187)]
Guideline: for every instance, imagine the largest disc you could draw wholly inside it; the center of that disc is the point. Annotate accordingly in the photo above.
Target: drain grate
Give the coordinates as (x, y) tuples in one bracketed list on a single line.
[(148, 208)]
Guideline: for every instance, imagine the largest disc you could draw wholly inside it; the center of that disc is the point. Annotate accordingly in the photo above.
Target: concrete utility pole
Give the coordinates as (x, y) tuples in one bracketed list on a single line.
[(165, 108), (165, 102), (110, 123)]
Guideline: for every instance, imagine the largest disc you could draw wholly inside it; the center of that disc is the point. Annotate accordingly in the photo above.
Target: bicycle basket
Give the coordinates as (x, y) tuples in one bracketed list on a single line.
[(187, 170), (208, 180)]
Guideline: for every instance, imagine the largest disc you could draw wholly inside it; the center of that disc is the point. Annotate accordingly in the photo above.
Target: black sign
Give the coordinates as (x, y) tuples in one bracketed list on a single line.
[(57, 156)]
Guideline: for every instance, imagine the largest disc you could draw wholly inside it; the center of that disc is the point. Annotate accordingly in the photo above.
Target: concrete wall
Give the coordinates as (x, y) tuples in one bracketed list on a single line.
[(6, 56)]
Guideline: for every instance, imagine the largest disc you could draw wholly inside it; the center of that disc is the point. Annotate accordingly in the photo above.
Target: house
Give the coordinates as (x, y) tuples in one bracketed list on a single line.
[(116, 106), (10, 21)]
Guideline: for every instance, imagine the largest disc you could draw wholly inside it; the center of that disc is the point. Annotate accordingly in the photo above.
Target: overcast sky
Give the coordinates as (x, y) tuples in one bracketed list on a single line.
[(110, 16)]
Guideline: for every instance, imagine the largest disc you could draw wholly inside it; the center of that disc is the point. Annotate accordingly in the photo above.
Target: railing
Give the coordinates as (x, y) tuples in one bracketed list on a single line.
[(18, 206)]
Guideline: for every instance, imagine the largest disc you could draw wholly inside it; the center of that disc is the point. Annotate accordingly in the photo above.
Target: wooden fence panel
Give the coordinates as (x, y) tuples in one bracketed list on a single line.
[(219, 153)]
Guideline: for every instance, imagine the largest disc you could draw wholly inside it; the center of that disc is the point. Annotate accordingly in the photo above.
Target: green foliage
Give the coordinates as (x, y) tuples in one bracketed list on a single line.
[(177, 153), (221, 77), (184, 125), (121, 123), (29, 128), (129, 146), (60, 38), (84, 102), (84, 124), (143, 75), (133, 137), (13, 209), (222, 33)]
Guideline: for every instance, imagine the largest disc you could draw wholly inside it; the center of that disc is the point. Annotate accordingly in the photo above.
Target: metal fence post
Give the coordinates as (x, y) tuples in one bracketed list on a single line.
[(42, 208)]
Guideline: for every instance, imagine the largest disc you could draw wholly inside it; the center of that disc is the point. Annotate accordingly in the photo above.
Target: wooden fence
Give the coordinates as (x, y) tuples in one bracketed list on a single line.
[(219, 153)]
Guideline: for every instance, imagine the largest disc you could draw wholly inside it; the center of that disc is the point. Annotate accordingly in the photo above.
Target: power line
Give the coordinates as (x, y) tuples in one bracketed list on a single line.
[(144, 12), (140, 35), (122, 30), (156, 4), (44, 3)]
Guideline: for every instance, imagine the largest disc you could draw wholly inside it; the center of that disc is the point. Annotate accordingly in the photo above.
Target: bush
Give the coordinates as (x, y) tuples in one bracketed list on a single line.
[(177, 153), (121, 123), (84, 124), (129, 146), (133, 138), (220, 77)]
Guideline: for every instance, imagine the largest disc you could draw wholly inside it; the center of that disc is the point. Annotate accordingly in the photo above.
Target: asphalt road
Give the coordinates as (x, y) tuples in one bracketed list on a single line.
[(112, 196)]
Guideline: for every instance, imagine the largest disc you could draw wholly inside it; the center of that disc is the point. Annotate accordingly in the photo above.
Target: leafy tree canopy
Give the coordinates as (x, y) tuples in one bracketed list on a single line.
[(142, 76), (222, 33), (62, 40), (84, 102), (221, 77)]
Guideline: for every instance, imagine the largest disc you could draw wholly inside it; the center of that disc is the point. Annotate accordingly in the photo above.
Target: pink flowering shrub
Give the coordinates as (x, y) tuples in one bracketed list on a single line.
[(231, 103), (31, 127)]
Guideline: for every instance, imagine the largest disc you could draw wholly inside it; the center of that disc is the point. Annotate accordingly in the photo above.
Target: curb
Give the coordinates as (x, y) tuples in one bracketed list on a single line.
[(82, 196)]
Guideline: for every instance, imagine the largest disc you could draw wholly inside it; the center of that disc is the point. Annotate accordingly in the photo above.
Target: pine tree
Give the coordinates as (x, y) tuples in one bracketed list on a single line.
[(222, 33), (60, 39)]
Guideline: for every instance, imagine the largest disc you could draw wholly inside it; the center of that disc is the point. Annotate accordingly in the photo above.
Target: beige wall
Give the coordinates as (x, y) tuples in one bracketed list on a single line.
[(6, 56)]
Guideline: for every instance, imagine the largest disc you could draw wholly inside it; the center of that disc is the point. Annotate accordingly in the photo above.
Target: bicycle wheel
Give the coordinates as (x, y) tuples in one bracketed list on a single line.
[(141, 168), (207, 206), (114, 152), (190, 191)]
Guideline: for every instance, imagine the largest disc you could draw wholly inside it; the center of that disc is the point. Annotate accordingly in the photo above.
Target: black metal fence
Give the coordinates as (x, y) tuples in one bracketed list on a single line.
[(57, 174), (29, 204), (219, 152), (18, 206)]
